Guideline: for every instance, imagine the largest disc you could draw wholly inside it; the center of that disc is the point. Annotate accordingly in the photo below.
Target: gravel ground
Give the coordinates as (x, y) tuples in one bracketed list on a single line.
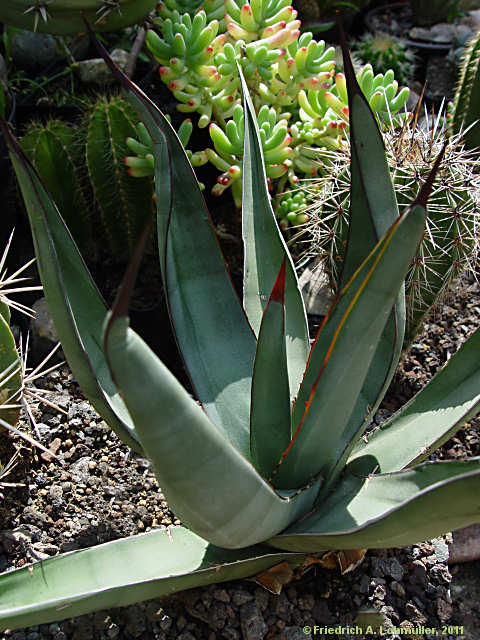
[(104, 492)]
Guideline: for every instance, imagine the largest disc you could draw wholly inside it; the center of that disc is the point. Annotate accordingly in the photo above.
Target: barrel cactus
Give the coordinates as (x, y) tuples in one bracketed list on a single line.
[(67, 16), (449, 245)]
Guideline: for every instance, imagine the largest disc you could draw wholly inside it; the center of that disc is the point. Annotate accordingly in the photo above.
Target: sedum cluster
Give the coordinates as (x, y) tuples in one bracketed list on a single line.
[(301, 103)]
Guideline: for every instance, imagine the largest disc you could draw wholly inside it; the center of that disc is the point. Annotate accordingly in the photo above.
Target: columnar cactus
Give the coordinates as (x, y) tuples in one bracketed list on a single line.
[(466, 105), (66, 16), (108, 123), (55, 150), (60, 153)]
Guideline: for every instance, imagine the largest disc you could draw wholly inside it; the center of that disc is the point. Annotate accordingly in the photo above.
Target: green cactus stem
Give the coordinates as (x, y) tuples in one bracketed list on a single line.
[(54, 150), (67, 16), (466, 104), (11, 383), (123, 204)]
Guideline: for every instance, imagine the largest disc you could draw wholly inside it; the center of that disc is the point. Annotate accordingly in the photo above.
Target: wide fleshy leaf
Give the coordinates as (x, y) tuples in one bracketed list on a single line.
[(373, 208), (432, 416), (265, 250), (123, 572), (341, 355), (208, 484), (76, 306), (206, 312), (389, 510), (270, 410)]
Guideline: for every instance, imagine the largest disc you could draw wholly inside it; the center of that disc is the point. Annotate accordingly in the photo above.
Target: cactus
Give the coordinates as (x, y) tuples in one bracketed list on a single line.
[(450, 243), (385, 52), (108, 123), (66, 16), (55, 150), (11, 381), (59, 151), (466, 105)]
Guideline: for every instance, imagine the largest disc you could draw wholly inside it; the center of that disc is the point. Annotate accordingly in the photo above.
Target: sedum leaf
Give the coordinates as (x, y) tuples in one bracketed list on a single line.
[(265, 250), (432, 416), (389, 510), (123, 572), (209, 485), (270, 414), (77, 308)]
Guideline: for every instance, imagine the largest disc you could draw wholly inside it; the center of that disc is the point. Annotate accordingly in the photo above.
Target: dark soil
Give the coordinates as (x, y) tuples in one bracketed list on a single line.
[(103, 492)]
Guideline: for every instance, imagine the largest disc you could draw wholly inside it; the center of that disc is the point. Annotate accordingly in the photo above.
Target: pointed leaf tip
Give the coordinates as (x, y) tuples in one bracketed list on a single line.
[(122, 301), (427, 186)]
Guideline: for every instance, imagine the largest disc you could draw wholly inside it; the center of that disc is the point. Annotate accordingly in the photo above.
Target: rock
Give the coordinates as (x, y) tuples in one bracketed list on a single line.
[(54, 446), (80, 469), (393, 569), (414, 614), (252, 623), (419, 572), (42, 324), (397, 589), (315, 289), (466, 545), (95, 71), (32, 51), (241, 596), (297, 633), (444, 610)]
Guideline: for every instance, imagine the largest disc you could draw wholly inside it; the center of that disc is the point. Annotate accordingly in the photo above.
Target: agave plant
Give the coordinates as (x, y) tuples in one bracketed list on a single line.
[(268, 466)]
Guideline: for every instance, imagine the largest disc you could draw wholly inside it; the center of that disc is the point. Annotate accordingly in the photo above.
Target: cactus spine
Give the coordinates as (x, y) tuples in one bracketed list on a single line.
[(466, 105), (65, 16), (11, 381), (450, 243), (54, 150), (124, 204), (58, 150)]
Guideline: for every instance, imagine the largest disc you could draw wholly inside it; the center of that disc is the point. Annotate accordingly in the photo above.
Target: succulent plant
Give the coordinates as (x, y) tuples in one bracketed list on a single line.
[(66, 16), (450, 244), (290, 209), (76, 162), (55, 151), (385, 52), (465, 110), (270, 468), (123, 204), (289, 74), (14, 377)]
